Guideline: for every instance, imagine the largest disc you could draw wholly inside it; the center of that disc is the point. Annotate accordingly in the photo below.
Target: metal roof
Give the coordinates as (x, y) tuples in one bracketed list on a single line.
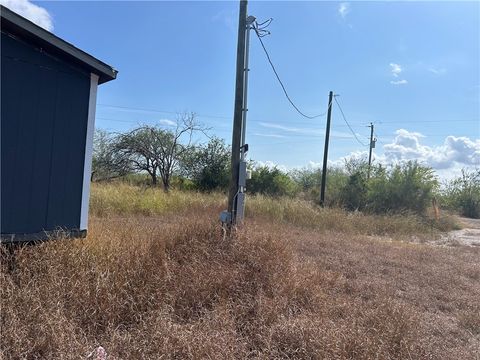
[(17, 26)]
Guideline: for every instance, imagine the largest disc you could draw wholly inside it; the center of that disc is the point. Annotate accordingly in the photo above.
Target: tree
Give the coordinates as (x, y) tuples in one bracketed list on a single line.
[(271, 181), (307, 179), (158, 151), (107, 164), (463, 193), (208, 165), (406, 187), (354, 193)]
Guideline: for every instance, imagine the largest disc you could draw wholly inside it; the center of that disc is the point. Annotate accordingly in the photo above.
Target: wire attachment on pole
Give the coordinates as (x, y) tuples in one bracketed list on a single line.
[(261, 28)]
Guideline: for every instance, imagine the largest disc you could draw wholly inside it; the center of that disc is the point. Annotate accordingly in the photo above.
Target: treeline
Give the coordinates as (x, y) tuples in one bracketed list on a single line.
[(151, 154)]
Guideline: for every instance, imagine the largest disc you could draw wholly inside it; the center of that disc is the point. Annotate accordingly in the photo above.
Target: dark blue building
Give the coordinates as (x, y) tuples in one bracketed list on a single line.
[(48, 99)]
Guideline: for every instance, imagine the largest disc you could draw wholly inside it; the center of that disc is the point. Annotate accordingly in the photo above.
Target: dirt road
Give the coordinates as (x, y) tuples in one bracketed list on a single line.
[(469, 235)]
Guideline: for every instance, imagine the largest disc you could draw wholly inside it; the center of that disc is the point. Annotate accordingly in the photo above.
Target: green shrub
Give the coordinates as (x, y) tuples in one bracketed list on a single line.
[(406, 187), (271, 181), (463, 194), (308, 181), (208, 165), (354, 194), (183, 184)]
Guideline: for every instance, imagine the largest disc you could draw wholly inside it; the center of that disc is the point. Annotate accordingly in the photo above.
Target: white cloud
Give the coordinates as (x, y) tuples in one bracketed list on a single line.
[(455, 151), (32, 12), (399, 82), (440, 71), (356, 155), (289, 128), (166, 122), (306, 131), (344, 9), (270, 135), (314, 165), (271, 165), (396, 69), (447, 159)]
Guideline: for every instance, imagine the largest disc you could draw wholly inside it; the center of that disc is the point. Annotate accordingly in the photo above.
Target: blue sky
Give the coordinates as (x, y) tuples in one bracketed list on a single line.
[(411, 68)]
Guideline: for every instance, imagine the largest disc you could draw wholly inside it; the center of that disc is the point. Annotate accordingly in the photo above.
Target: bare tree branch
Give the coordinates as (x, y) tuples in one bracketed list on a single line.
[(156, 150)]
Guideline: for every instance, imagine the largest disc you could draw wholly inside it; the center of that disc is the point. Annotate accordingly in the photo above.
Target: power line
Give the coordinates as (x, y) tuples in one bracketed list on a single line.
[(285, 143), (117, 120), (346, 122), (346, 136), (257, 121), (259, 36), (312, 128), (139, 109), (426, 121), (162, 111)]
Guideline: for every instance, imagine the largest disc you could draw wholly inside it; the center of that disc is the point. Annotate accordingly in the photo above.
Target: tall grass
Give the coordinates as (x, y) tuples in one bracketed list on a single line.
[(306, 214), (122, 199), (144, 289)]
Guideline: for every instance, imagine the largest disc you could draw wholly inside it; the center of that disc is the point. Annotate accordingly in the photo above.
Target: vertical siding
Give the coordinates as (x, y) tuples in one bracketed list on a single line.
[(87, 167), (43, 127)]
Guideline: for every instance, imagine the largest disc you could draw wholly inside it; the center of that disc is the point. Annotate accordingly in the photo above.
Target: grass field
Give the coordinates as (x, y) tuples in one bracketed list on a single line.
[(156, 279)]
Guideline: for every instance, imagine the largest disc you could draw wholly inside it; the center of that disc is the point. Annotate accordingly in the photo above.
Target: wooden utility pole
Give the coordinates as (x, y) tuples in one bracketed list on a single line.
[(325, 152), (238, 113), (372, 145)]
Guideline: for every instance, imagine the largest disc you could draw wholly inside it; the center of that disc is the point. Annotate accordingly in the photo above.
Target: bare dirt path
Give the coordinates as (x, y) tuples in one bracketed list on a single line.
[(469, 235)]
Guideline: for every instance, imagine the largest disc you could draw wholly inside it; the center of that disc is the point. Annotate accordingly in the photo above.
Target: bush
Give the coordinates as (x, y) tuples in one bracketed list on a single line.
[(354, 194), (308, 181), (271, 181), (406, 187), (463, 194), (208, 166)]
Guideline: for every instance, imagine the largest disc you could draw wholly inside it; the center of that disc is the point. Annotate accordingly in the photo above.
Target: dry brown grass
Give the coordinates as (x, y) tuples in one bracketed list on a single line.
[(121, 199), (150, 287)]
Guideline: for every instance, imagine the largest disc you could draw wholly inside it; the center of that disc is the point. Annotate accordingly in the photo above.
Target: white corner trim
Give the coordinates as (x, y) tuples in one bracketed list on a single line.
[(87, 166)]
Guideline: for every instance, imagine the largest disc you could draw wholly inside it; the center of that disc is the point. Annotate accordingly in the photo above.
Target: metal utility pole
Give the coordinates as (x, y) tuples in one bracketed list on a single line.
[(372, 145), (325, 152), (236, 195)]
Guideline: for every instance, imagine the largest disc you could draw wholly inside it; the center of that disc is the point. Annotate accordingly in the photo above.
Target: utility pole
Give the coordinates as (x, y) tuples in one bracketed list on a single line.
[(372, 145), (236, 195), (325, 152)]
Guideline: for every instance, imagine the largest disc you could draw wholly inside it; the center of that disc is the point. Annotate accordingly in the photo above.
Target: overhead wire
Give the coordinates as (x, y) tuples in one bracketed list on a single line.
[(160, 111), (428, 121), (255, 120), (150, 110), (261, 32), (346, 122), (312, 126), (140, 109)]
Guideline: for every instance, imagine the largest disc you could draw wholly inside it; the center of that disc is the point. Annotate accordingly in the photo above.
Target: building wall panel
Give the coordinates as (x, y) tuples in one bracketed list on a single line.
[(43, 127)]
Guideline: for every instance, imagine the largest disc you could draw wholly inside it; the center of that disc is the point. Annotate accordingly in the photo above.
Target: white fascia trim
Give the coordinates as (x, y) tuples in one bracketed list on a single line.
[(87, 167)]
